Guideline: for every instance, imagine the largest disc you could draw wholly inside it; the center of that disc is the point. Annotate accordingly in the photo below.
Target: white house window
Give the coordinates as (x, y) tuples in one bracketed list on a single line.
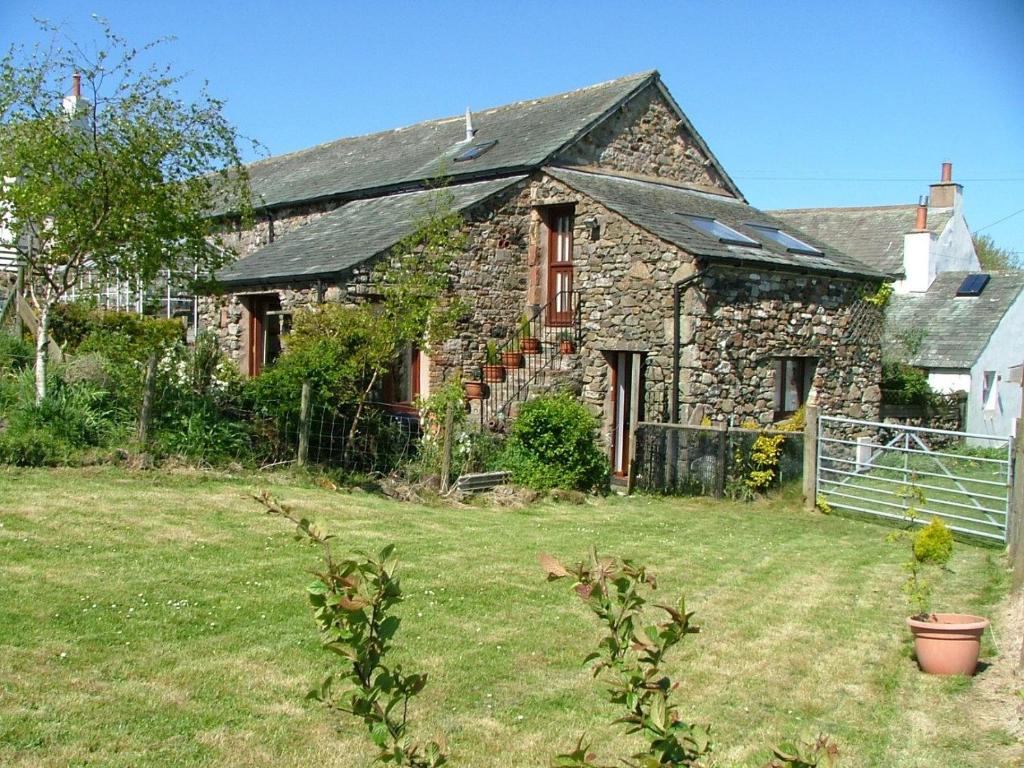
[(793, 379), (989, 391)]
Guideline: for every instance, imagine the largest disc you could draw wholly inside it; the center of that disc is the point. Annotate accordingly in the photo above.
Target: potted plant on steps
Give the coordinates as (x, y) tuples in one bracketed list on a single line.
[(475, 390), (494, 371), (566, 343), (529, 344), (512, 358), (944, 643)]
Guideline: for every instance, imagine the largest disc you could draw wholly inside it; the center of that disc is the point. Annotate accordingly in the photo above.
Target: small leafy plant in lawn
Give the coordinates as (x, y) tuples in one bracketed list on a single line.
[(629, 659), (352, 600)]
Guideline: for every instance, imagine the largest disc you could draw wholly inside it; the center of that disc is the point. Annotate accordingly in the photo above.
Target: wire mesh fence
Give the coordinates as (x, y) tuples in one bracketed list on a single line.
[(707, 461), (218, 430)]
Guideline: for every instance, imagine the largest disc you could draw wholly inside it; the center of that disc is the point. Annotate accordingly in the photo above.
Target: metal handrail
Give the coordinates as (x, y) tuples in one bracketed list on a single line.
[(547, 338)]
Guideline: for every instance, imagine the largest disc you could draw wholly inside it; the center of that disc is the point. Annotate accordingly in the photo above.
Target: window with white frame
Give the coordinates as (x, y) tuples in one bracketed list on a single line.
[(989, 391)]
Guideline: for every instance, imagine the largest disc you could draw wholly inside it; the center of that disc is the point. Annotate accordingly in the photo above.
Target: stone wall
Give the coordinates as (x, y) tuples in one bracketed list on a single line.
[(645, 137), (740, 322)]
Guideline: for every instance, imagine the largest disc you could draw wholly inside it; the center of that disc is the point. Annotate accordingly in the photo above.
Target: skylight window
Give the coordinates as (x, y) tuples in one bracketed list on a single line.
[(973, 285), (473, 152), (719, 231), (786, 240)]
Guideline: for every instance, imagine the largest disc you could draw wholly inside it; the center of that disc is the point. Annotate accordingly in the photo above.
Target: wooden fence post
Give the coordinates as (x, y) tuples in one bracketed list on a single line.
[(304, 407), (1015, 520), (811, 458), (446, 449), (148, 393)]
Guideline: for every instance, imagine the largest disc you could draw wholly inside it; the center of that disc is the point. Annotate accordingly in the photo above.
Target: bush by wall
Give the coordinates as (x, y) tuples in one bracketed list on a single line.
[(553, 443)]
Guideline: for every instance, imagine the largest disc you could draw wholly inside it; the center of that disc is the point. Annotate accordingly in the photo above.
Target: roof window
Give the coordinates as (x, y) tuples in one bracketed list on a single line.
[(973, 285), (473, 152), (786, 240), (719, 231)]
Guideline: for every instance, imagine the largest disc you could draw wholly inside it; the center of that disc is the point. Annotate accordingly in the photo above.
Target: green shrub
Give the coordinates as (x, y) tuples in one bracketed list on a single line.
[(553, 443), (28, 445), (196, 429), (15, 354), (78, 415), (933, 543), (119, 336), (903, 384)]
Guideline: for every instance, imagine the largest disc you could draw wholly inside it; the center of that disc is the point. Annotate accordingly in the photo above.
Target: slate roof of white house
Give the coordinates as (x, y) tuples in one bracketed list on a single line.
[(528, 134), (351, 234), (957, 328), (660, 209), (872, 235)]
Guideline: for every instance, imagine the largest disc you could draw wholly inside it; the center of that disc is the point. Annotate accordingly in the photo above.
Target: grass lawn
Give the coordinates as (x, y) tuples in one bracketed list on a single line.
[(160, 619)]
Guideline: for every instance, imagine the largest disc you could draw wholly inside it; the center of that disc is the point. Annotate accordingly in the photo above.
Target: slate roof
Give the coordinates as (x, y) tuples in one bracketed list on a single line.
[(871, 235), (957, 328), (528, 133), (348, 235), (657, 207)]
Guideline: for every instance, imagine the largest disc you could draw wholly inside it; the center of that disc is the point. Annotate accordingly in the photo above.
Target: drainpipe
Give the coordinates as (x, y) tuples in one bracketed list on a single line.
[(677, 300)]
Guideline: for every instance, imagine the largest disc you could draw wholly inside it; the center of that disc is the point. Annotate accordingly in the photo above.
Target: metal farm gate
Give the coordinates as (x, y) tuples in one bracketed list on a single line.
[(884, 470)]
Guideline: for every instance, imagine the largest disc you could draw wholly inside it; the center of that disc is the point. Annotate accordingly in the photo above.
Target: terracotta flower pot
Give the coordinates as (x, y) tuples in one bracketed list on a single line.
[(947, 643), (494, 373), (566, 347), (530, 346), (475, 390), (511, 359)]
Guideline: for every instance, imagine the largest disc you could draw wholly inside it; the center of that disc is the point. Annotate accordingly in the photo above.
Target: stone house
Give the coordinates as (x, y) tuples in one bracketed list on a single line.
[(599, 216)]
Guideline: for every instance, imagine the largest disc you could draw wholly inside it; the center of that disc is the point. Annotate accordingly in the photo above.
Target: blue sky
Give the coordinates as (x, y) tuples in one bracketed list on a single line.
[(806, 104)]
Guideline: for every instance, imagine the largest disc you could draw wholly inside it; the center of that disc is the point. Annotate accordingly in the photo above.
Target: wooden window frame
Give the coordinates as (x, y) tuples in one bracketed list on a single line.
[(802, 380), (260, 308), (560, 268)]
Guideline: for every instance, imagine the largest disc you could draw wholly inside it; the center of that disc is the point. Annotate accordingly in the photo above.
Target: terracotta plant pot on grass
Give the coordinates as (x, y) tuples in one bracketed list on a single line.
[(944, 643), (947, 643)]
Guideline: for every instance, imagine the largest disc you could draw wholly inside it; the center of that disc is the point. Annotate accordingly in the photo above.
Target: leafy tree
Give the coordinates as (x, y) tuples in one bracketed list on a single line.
[(992, 257), (345, 350), (118, 177)]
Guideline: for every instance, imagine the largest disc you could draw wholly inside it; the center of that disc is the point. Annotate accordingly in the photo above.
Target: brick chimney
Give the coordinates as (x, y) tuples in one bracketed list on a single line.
[(75, 107), (946, 193), (921, 223)]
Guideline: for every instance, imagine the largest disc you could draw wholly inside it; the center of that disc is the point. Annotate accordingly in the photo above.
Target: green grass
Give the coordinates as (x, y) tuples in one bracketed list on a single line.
[(160, 619)]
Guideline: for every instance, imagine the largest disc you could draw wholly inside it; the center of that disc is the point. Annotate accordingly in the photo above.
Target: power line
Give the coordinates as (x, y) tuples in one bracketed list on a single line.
[(873, 179), (1015, 213)]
